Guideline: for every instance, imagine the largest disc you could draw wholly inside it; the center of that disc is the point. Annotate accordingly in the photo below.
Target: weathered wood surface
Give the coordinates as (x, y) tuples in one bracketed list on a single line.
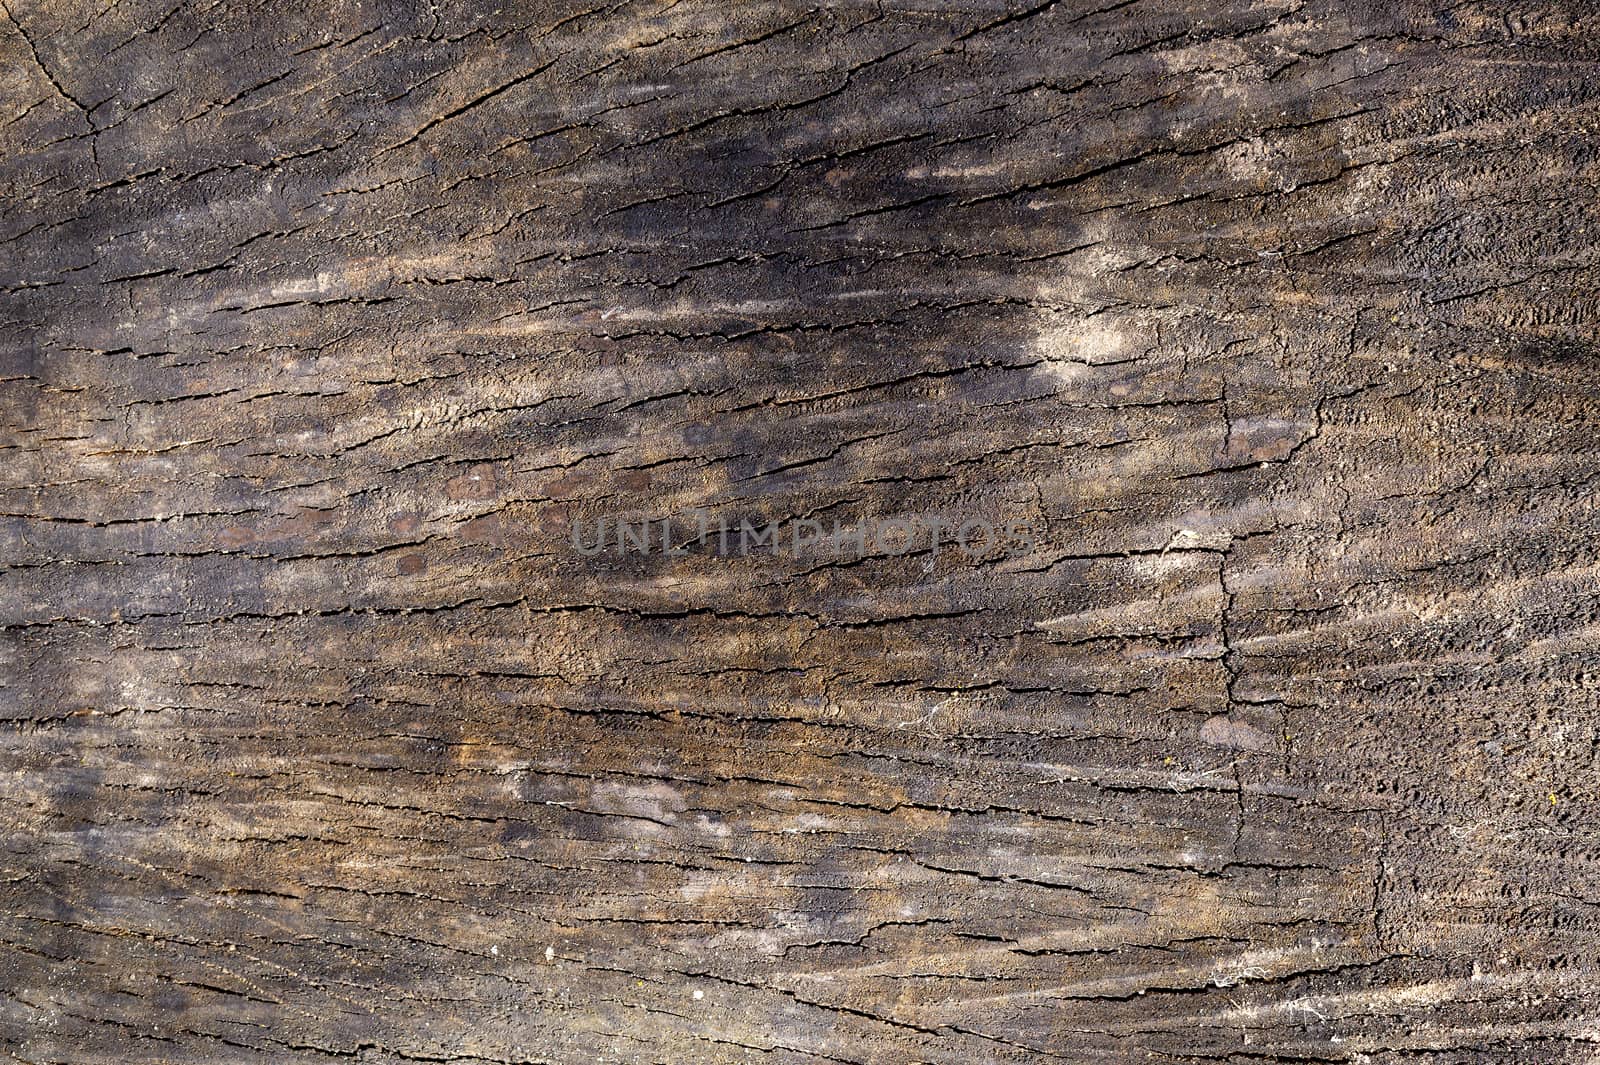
[(321, 325)]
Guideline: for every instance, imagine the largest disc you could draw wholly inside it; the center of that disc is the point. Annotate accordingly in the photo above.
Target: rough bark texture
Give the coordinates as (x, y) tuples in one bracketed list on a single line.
[(321, 325)]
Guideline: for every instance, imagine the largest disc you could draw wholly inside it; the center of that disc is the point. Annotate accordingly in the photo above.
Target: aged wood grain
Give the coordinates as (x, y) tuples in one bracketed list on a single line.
[(323, 323)]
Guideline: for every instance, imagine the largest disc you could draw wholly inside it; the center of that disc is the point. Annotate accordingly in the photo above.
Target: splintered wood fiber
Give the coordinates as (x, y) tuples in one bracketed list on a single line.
[(878, 532)]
